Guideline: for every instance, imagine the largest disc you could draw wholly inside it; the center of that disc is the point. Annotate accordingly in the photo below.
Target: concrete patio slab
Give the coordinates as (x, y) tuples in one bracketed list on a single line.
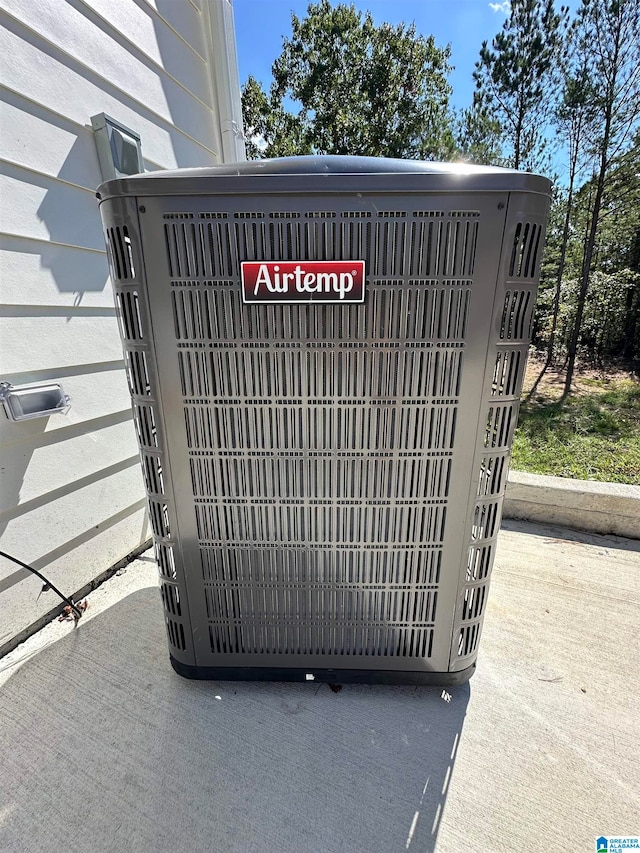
[(105, 748)]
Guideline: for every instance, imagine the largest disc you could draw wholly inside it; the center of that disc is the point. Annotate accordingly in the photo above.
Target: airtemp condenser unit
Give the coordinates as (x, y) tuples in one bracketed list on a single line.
[(325, 356)]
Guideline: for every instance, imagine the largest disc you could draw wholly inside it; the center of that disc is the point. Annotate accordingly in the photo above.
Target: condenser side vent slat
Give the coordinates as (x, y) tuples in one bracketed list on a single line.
[(517, 315), (508, 373), (120, 253), (525, 250)]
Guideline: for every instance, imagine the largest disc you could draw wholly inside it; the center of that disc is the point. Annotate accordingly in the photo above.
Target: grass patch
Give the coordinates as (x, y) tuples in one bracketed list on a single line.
[(594, 434)]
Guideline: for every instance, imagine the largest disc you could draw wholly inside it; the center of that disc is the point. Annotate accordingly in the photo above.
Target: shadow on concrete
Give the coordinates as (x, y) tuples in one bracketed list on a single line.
[(107, 748), (555, 533)]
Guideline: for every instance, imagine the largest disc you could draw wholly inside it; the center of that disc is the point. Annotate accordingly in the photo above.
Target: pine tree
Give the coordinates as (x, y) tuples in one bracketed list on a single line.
[(515, 75), (612, 29)]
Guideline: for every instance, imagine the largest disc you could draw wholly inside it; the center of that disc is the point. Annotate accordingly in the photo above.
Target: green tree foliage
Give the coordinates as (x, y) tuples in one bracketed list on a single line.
[(574, 115), (479, 136), (357, 89), (610, 321), (514, 77), (270, 130), (341, 85)]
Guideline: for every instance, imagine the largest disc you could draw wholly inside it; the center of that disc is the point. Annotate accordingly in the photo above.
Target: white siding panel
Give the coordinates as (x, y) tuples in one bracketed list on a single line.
[(35, 272), (70, 32), (78, 558), (64, 519), (49, 78), (41, 470), (36, 206), (151, 34), (183, 17), (100, 547), (70, 150), (60, 341), (72, 498)]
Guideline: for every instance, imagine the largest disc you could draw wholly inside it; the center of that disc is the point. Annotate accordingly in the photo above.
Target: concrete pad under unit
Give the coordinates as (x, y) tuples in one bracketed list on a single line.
[(105, 748)]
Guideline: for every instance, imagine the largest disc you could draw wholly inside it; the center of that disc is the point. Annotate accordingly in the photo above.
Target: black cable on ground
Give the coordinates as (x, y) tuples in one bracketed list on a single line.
[(76, 610)]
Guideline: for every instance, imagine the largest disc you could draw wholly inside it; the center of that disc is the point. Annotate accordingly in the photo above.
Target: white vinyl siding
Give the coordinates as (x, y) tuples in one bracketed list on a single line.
[(71, 495)]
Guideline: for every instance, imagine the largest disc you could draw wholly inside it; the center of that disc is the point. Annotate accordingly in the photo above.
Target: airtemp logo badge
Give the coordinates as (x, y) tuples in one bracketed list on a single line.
[(302, 281)]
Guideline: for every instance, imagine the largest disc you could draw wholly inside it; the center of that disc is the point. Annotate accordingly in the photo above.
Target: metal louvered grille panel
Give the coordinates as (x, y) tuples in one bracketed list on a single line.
[(335, 472), (329, 426), (134, 323)]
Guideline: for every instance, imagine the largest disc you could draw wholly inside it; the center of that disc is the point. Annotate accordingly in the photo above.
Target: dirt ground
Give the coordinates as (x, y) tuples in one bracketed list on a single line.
[(585, 379)]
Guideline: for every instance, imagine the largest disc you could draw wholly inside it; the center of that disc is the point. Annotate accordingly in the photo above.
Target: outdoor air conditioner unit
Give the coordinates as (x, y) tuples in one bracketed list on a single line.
[(325, 356)]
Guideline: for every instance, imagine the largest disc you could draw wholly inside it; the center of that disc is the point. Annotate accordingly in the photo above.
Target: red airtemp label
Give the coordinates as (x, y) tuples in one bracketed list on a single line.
[(302, 281)]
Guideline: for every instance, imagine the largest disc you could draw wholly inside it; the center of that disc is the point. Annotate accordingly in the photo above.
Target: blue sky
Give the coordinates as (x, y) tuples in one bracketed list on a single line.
[(260, 25)]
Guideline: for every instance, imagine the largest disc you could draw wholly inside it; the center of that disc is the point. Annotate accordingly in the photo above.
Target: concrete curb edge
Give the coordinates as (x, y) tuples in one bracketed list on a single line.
[(604, 508)]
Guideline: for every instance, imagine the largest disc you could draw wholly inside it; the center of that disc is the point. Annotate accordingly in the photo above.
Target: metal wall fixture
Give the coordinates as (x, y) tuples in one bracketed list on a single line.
[(119, 148), (36, 400)]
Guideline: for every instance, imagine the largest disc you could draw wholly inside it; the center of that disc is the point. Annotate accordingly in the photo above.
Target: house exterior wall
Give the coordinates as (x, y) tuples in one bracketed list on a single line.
[(71, 495)]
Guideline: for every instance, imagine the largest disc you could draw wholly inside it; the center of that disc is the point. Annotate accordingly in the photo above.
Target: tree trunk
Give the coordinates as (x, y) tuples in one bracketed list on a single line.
[(517, 144), (561, 266), (586, 265), (631, 342), (609, 104)]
